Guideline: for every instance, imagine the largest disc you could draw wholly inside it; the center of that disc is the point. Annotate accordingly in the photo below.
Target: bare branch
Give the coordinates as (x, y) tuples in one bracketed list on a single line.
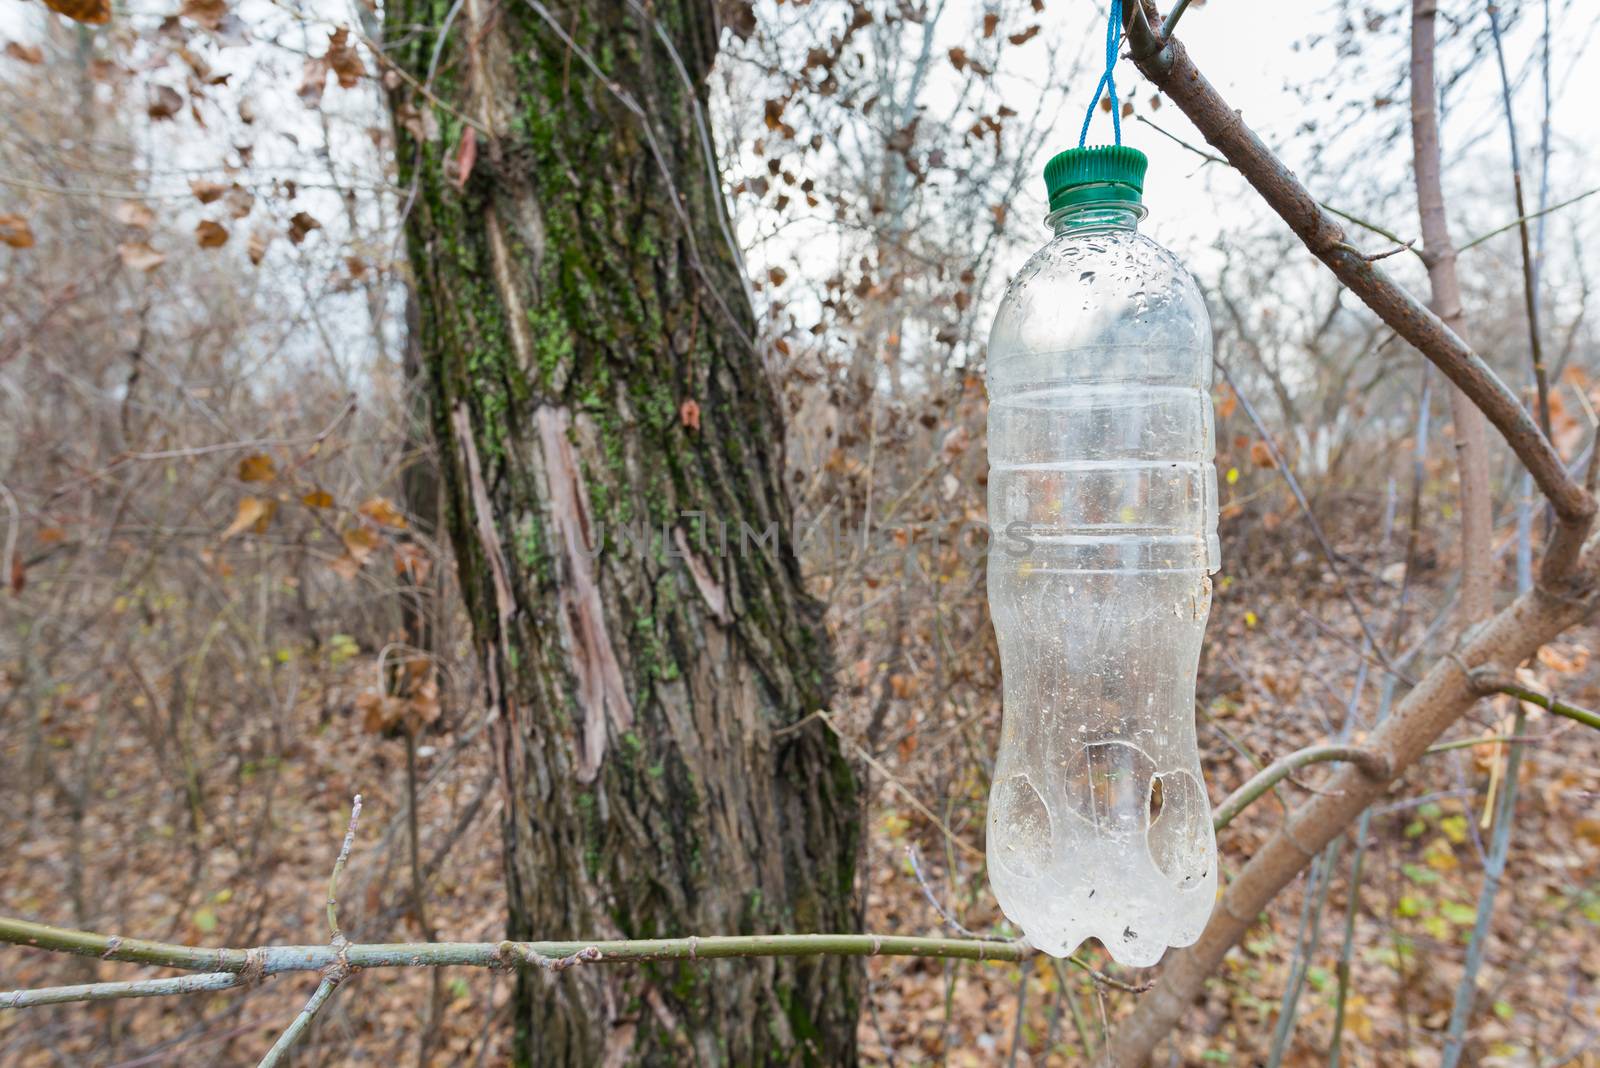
[(1490, 681), (275, 960), (286, 1041), (1169, 67), (137, 988), (1374, 764), (334, 934)]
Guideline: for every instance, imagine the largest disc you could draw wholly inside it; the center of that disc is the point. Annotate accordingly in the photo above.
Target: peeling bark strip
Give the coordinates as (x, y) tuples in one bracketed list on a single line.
[(505, 600), (602, 694), (711, 592)]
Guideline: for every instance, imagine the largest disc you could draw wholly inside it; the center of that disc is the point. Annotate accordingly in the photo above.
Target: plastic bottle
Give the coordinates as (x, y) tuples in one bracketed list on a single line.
[(1103, 504)]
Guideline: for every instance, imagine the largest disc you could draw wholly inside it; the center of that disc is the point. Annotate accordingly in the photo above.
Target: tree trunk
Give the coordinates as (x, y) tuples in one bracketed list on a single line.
[(596, 379), (1439, 253)]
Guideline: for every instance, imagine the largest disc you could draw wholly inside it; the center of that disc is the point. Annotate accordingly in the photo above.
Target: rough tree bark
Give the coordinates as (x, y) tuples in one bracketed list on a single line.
[(595, 375), (1439, 254)]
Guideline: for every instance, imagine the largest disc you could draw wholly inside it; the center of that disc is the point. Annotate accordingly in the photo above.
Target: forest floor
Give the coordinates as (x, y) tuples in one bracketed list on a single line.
[(124, 849)]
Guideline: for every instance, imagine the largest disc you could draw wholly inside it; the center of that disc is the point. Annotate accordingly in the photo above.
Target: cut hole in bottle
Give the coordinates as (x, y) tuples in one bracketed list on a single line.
[(1179, 838), (1107, 785), (1020, 827)]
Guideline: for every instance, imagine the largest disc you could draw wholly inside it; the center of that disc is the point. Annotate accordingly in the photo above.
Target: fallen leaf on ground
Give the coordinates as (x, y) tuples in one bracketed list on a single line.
[(382, 510), (253, 512), (210, 234), (140, 256), (15, 231)]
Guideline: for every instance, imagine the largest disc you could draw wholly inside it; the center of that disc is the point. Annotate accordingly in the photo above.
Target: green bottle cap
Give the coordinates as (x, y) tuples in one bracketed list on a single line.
[(1087, 175)]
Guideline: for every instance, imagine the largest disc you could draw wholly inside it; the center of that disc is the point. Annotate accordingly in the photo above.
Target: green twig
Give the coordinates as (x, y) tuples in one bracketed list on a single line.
[(1170, 23), (286, 1041), (275, 960), (1519, 220), (1490, 682), (138, 988), (1373, 763), (335, 935)]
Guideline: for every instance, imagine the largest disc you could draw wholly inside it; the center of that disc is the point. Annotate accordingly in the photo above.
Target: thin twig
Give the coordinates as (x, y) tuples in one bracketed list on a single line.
[(1373, 763), (1514, 223), (276, 960), (137, 988), (335, 936), (330, 981), (1489, 681)]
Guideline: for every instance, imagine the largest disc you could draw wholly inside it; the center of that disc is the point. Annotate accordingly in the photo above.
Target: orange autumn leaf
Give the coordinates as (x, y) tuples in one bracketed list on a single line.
[(210, 234), (253, 513), (15, 231), (381, 510), (93, 12), (257, 467)]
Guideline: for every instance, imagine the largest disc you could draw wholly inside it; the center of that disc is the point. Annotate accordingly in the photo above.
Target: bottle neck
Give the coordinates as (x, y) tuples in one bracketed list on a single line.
[(1096, 215)]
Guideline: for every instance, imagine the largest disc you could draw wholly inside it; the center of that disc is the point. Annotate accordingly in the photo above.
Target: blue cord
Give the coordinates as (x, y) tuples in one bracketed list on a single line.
[(1107, 80)]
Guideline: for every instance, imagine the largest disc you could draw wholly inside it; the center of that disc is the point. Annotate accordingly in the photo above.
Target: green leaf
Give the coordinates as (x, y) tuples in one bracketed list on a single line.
[(1420, 875)]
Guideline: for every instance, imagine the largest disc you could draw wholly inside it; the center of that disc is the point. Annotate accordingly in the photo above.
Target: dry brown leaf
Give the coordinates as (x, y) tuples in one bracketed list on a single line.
[(133, 213), (958, 58), (208, 234), (777, 275), (253, 512), (359, 543), (93, 12), (991, 22), (317, 499), (460, 166), (1565, 659), (207, 13), (421, 125), (343, 59), (413, 562), (24, 53), (257, 248), (15, 231), (206, 192), (301, 224), (238, 200), (140, 256), (163, 102), (257, 467), (313, 80), (382, 511), (380, 712)]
